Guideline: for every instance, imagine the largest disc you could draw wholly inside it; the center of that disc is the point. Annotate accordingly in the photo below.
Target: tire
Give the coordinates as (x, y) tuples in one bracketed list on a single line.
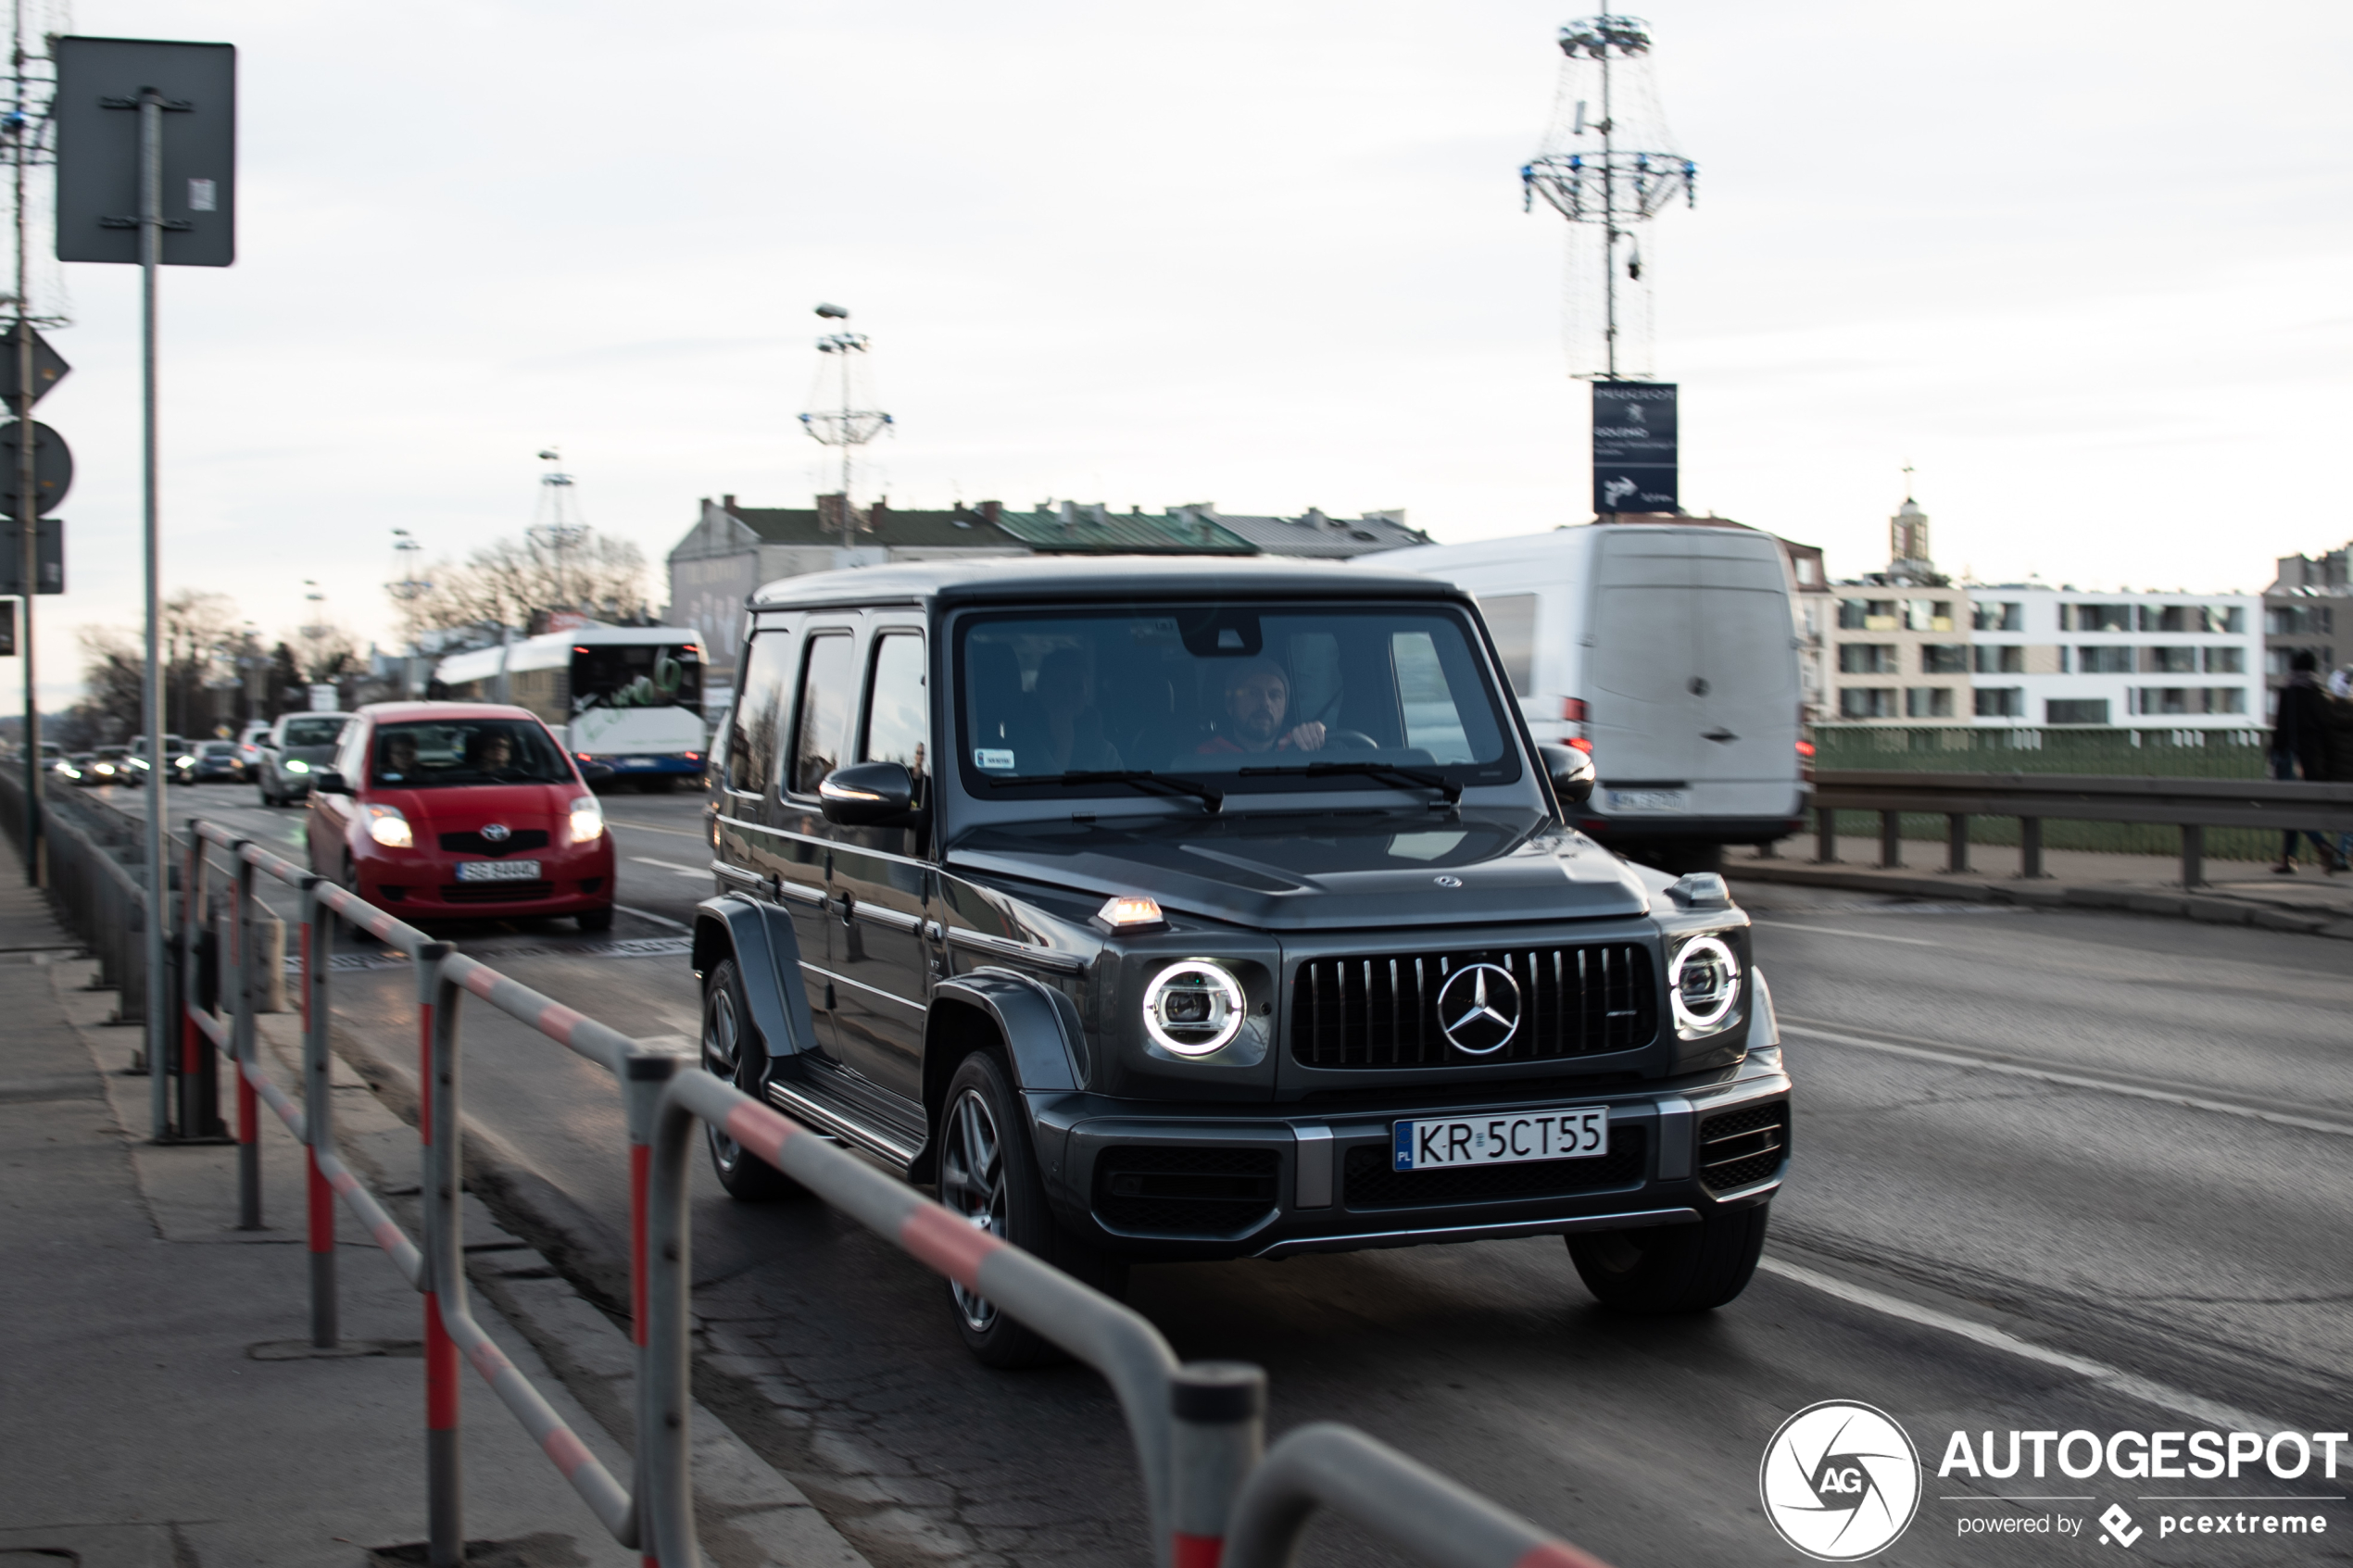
[(730, 1051), (595, 919), (988, 1175), (267, 798), (1672, 1268)]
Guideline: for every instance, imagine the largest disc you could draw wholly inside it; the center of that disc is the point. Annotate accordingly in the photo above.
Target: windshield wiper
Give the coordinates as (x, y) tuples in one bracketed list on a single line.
[(1444, 785), (1211, 799)]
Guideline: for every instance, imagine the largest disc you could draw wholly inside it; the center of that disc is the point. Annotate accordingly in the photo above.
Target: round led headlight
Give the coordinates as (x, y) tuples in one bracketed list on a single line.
[(1704, 982), (1193, 1007)]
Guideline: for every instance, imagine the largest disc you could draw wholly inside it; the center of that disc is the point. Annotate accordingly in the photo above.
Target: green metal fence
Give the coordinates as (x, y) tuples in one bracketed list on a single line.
[(2191, 754)]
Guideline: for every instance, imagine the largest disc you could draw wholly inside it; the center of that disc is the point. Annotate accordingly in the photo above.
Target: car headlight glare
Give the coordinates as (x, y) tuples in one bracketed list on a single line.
[(587, 819), (1704, 984), (296, 765), (1194, 1007), (389, 828)]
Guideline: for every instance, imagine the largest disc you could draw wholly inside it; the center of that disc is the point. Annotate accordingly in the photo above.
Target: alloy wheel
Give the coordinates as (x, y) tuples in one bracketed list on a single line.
[(722, 1057), (972, 1183)]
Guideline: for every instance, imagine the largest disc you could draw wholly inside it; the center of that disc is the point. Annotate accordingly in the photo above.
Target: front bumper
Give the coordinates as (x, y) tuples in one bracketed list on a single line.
[(1159, 1183), (425, 885)]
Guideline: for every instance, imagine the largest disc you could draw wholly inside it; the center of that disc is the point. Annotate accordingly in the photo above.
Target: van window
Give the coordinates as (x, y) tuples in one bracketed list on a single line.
[(1511, 620), (828, 686), (755, 728), (898, 704)]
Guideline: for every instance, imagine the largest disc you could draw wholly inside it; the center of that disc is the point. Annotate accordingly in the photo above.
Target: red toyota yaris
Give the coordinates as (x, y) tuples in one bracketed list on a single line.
[(460, 809)]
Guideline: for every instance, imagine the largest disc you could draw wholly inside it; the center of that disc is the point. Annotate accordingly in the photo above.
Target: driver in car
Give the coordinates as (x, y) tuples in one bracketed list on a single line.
[(1257, 701)]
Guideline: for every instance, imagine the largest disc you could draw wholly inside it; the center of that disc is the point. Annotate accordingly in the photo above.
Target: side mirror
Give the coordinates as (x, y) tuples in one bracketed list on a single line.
[(596, 772), (326, 781), (1572, 772), (869, 795)]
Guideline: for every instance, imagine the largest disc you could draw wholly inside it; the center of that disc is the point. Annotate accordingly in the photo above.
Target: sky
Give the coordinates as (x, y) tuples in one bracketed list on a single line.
[(2084, 266)]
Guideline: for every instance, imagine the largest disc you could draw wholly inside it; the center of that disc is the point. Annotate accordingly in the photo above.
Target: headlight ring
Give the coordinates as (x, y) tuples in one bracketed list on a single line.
[(1704, 986), (1194, 1007)]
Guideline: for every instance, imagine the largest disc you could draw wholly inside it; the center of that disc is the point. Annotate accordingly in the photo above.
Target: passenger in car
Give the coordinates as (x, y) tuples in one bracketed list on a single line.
[(1074, 730), (1257, 700), (397, 757)]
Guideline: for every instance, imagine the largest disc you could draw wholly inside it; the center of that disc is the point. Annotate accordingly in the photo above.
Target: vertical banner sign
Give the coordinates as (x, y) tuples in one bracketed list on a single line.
[(99, 83), (1634, 447)]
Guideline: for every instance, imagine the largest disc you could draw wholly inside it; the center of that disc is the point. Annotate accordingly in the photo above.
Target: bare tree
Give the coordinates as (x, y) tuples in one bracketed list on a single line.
[(507, 582)]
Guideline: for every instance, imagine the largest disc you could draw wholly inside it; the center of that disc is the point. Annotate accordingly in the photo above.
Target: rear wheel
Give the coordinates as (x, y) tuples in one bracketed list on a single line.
[(1672, 1268), (730, 1051), (989, 1177)]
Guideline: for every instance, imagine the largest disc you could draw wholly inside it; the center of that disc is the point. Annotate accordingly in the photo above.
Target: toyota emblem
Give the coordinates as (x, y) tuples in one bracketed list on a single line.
[(497, 833), (1479, 1008)]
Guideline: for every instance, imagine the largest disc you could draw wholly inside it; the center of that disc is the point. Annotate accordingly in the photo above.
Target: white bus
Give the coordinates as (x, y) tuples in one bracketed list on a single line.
[(627, 697)]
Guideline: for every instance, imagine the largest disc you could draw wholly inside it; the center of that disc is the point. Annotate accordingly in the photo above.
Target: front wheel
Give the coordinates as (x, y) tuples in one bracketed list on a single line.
[(730, 1053), (595, 919), (989, 1177), (1672, 1268)]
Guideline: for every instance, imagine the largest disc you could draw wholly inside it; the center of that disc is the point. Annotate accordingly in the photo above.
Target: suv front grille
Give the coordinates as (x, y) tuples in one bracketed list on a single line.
[(1370, 1181), (1383, 1011), (1743, 1146), (1201, 1191)]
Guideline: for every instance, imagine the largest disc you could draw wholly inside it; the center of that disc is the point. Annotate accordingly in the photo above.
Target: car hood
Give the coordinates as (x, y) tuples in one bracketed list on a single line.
[(1324, 871)]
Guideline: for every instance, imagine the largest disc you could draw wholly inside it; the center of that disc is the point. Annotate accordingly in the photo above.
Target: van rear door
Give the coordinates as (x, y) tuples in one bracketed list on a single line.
[(1747, 667), (1642, 715)]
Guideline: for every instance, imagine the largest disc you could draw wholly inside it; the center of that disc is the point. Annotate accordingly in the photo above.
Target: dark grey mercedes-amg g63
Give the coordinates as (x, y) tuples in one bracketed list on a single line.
[(1160, 910)]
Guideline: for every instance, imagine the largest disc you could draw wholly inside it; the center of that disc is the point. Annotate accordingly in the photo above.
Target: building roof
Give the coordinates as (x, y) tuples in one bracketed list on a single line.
[(880, 524), (1313, 535), (1084, 528)]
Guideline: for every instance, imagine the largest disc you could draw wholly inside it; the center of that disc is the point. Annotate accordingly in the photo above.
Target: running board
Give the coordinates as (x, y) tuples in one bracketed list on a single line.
[(823, 1119)]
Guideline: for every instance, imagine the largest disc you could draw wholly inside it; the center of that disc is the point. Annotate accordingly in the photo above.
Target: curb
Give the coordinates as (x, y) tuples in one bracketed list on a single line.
[(2207, 909)]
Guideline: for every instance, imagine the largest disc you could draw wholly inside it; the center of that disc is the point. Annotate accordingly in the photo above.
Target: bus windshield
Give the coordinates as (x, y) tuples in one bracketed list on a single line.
[(643, 675)]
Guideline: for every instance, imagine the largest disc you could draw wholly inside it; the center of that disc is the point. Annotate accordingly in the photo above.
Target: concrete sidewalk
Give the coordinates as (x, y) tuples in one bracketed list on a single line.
[(159, 1400), (2236, 892)]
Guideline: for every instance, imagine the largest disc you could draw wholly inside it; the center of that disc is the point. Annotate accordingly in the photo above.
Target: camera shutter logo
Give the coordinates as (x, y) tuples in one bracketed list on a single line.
[(1841, 1481), (1479, 1008)]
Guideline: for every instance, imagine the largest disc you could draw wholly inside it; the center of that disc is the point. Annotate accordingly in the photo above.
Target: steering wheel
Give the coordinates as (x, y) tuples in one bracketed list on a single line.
[(1349, 740)]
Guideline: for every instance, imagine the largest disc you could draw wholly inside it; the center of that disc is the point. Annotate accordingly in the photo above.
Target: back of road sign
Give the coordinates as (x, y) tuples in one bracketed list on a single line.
[(52, 468), (99, 82), (50, 543), (50, 367)]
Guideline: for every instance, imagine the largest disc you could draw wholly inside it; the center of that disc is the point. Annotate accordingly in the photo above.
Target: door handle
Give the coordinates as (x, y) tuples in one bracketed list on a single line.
[(1719, 734)]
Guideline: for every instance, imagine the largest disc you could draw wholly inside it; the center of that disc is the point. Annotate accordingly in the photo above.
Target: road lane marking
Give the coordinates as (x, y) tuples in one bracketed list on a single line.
[(1770, 924), (658, 920), (648, 827), (2116, 1379), (2072, 1080), (671, 866)]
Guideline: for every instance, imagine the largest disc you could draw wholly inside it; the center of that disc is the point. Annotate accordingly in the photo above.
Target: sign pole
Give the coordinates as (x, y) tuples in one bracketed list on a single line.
[(27, 513), (160, 1001)]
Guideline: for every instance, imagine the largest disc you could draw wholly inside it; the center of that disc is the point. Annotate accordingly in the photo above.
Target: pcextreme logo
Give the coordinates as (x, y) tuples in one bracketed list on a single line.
[(1841, 1481)]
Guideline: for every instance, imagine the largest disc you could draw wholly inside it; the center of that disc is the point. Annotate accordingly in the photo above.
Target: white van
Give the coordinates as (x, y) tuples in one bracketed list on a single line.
[(1669, 652)]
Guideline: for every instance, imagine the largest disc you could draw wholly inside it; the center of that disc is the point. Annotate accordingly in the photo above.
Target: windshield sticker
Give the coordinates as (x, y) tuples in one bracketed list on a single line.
[(993, 762)]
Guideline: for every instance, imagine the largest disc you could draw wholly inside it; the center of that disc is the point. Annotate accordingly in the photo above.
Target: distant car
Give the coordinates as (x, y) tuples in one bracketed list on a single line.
[(217, 759), (249, 746), (68, 768), (107, 765), (460, 810), (181, 760), (296, 748)]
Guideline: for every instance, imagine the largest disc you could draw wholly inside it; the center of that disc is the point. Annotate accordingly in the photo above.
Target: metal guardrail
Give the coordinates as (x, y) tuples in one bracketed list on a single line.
[(1198, 1429), (2191, 805)]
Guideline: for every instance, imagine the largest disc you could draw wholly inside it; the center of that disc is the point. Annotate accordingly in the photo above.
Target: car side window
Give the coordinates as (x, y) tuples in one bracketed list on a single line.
[(351, 759), (898, 724), (828, 688), (755, 725)]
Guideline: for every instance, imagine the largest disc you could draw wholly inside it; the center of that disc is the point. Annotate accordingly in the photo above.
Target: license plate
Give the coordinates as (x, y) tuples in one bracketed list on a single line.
[(1648, 799), (1578, 1131), (497, 871)]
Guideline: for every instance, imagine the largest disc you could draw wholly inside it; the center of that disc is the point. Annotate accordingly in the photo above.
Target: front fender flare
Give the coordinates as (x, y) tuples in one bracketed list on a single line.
[(767, 954), (1039, 1025)]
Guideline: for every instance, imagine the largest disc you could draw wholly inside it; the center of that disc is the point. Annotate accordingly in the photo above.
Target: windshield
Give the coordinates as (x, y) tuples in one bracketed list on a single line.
[(646, 675), (313, 731), (218, 749), (1240, 696), (465, 751)]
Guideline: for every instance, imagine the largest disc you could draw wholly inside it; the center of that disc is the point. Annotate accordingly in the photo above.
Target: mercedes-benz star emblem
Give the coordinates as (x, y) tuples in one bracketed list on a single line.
[(497, 833), (1447, 881), (1479, 1008)]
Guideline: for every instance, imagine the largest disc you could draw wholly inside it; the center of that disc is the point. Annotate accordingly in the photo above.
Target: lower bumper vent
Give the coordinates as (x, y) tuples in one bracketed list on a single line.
[(1193, 1191), (1370, 1181), (1739, 1149)]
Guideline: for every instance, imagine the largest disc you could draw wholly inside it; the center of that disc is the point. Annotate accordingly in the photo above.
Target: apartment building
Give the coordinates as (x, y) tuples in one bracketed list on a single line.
[(1908, 645), (2307, 609)]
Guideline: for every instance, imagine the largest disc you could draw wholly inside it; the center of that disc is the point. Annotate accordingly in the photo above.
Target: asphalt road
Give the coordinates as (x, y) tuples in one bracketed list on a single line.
[(2053, 1171)]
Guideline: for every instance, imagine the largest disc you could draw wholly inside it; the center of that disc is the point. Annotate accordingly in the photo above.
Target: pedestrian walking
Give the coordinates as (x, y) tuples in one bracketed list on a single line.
[(2299, 748)]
